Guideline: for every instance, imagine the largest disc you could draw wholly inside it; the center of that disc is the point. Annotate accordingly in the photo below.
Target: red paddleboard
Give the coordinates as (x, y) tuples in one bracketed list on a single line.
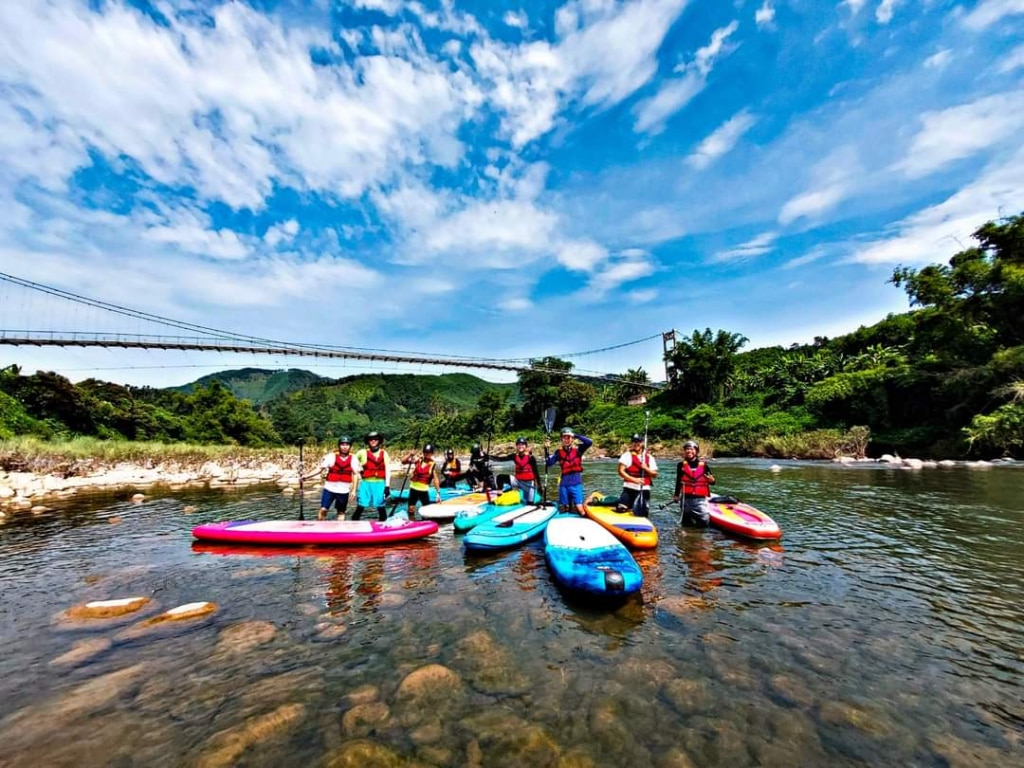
[(733, 516), (315, 532)]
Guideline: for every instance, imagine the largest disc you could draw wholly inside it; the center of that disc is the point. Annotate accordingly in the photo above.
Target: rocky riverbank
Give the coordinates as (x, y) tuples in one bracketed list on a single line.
[(30, 490)]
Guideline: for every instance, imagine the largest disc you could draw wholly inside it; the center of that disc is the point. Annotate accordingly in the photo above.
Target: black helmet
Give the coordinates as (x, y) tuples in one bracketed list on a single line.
[(691, 444), (520, 441), (448, 454), (345, 439), (476, 452), (476, 446), (636, 438), (374, 436), (428, 448)]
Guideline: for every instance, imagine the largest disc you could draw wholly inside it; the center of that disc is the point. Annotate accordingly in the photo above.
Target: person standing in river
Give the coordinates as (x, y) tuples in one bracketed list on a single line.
[(570, 457), (693, 487), (637, 468), (342, 476), (526, 472), (451, 470), (375, 477), (423, 474)]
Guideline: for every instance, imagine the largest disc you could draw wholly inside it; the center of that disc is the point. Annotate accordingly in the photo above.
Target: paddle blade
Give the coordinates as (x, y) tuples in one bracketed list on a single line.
[(549, 418)]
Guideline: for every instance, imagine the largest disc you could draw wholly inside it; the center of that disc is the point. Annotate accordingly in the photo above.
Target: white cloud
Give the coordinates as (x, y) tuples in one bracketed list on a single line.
[(582, 255), (515, 304), (939, 60), (962, 131), (516, 19), (169, 98), (811, 256), (832, 181), (676, 93), (933, 234), (390, 7), (988, 12), (765, 15), (641, 296), (1013, 61), (884, 12), (721, 140), (618, 270), (854, 5), (284, 232), (754, 247)]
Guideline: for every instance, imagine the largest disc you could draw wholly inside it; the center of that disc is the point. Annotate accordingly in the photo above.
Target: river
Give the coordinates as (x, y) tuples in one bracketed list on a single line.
[(885, 628)]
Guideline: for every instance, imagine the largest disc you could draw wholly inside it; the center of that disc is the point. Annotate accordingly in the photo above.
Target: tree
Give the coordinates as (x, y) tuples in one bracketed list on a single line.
[(539, 387), (631, 384), (704, 364)]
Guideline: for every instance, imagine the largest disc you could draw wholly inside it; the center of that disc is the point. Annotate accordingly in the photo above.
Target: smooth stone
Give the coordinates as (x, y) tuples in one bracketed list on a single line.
[(226, 747), (82, 651), (106, 609), (366, 719)]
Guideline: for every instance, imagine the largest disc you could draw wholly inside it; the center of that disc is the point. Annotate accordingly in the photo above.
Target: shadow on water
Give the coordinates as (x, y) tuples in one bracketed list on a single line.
[(883, 629)]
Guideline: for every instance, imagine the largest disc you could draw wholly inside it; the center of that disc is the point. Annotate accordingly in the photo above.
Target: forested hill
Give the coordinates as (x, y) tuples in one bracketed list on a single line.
[(257, 385)]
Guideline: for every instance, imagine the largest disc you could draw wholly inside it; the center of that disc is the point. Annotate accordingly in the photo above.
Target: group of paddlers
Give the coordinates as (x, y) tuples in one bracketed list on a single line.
[(367, 473)]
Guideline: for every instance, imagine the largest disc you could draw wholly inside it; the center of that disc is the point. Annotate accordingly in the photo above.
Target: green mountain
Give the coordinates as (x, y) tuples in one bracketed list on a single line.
[(257, 385), (383, 402)]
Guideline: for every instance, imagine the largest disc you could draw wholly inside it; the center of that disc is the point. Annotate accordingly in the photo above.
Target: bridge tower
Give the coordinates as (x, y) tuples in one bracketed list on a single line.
[(668, 343)]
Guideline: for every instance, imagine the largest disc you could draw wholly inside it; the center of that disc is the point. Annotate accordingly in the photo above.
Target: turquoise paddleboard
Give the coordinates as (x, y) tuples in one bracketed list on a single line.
[(586, 558)]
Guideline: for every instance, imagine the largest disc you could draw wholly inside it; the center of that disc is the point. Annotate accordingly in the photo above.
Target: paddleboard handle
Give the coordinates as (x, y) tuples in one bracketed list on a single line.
[(613, 581)]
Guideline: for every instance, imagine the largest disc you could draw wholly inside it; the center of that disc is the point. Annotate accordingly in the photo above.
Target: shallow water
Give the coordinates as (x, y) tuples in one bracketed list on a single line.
[(884, 629)]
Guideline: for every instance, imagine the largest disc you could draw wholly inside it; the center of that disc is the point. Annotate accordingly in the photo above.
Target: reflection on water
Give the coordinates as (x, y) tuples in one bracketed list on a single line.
[(884, 629)]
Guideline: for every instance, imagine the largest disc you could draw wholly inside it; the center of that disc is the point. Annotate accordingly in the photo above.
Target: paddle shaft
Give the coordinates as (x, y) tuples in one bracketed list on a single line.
[(639, 506), (302, 472), (508, 523), (549, 422), (398, 496)]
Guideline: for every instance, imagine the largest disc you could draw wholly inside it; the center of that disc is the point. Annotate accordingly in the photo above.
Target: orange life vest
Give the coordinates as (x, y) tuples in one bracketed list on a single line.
[(570, 460), (422, 471), (524, 467), (694, 482), (452, 467), (341, 471), (637, 470), (374, 466)]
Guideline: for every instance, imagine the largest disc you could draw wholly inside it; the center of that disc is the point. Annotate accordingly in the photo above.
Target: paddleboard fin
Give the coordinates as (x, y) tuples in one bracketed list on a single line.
[(613, 581)]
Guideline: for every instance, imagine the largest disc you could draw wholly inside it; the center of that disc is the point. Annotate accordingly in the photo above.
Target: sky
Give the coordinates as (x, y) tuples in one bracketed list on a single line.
[(492, 178)]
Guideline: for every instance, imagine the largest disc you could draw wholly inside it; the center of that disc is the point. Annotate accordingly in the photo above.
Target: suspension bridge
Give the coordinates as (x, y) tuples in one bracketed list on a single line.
[(18, 296)]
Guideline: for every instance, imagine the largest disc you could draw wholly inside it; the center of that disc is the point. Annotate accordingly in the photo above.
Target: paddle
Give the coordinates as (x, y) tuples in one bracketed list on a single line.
[(302, 468), (508, 523), (642, 507), (549, 422), (398, 496)]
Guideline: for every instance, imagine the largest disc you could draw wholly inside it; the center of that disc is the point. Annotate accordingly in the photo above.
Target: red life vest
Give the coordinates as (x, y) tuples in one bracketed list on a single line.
[(422, 471), (570, 460), (341, 472), (694, 482), (374, 466), (524, 467), (637, 470)]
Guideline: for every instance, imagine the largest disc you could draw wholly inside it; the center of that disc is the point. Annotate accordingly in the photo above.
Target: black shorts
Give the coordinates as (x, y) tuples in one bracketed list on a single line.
[(423, 497), (628, 499)]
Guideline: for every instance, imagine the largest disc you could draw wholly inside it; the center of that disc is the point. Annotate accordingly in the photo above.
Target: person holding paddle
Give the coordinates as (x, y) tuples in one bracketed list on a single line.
[(424, 474), (526, 470), (693, 485), (570, 457), (342, 475), (375, 477), (637, 468)]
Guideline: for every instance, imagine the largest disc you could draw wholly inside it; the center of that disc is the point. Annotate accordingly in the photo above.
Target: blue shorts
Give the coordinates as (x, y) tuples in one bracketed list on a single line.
[(329, 497), (570, 495), (370, 493)]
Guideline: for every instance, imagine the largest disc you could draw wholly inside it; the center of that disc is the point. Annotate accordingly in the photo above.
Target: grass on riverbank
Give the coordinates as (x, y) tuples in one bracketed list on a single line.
[(80, 454)]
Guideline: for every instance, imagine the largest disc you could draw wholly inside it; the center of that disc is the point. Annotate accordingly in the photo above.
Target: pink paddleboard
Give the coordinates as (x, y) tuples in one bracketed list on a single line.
[(315, 532), (742, 519)]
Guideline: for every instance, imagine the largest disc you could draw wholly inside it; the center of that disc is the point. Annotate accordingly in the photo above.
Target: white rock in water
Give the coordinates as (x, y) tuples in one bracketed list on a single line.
[(914, 463), (187, 608), (775, 468), (119, 603)]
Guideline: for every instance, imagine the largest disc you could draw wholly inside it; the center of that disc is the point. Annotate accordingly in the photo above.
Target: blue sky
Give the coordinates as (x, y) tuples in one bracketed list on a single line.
[(505, 179)]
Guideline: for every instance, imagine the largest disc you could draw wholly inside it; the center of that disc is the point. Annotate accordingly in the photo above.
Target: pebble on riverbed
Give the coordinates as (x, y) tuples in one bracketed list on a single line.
[(185, 612), (106, 609), (82, 651), (226, 747)]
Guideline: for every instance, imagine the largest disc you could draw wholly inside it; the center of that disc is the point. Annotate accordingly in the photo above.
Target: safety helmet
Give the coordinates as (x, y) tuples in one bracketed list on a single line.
[(691, 444), (636, 438), (428, 448), (344, 440), (568, 431), (476, 446), (520, 441), (373, 436), (449, 454)]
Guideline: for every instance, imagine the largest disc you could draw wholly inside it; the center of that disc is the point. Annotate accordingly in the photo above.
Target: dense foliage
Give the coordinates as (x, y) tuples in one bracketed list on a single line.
[(946, 378)]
